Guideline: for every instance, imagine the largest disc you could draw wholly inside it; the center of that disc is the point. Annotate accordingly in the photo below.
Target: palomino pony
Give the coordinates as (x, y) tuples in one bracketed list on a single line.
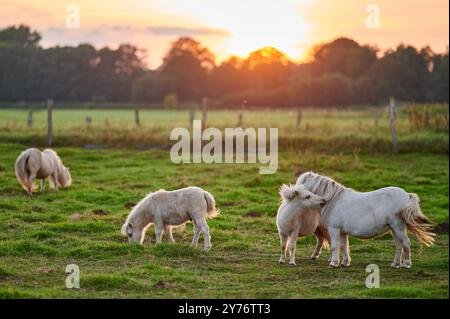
[(166, 209), (367, 215), (32, 164), (298, 216)]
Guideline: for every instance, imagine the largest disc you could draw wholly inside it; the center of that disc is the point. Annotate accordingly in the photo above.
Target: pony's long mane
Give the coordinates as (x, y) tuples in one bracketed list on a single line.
[(323, 186), (287, 192)]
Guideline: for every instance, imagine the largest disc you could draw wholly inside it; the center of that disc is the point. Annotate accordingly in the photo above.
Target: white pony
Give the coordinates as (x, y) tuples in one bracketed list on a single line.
[(367, 215), (299, 215), (32, 164), (165, 209)]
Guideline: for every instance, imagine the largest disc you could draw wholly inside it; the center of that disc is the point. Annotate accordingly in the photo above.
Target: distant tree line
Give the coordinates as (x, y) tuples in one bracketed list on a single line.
[(339, 73)]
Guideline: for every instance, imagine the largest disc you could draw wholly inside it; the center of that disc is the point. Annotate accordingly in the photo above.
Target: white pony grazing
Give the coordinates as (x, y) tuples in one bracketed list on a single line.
[(299, 215), (165, 209), (370, 214), (32, 164)]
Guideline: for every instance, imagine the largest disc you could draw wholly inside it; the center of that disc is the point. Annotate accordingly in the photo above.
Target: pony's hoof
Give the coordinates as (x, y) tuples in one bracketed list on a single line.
[(281, 261), (292, 264), (345, 263), (207, 248), (334, 264), (405, 265), (395, 265), (314, 257)]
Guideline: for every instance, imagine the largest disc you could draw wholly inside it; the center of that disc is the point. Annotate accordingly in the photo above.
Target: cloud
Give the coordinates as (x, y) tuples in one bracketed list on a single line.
[(173, 31), (154, 39)]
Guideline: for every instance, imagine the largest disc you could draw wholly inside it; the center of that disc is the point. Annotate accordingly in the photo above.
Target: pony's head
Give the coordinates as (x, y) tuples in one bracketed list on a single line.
[(138, 220), (64, 178), (134, 233), (301, 195), (320, 185)]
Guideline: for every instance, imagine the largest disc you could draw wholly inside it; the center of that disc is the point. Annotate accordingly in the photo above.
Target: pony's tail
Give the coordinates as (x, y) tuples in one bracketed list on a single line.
[(211, 210), (417, 223), (322, 232), (22, 171), (288, 192)]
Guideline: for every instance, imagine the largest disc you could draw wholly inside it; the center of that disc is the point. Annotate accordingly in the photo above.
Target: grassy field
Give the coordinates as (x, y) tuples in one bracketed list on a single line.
[(320, 131), (42, 234)]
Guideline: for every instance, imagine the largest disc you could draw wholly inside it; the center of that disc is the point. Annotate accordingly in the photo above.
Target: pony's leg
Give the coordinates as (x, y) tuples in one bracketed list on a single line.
[(283, 244), (398, 253), (318, 250), (54, 182), (401, 235), (197, 230), (168, 230), (158, 232), (42, 188), (293, 246), (345, 251), (31, 179), (335, 235), (205, 230)]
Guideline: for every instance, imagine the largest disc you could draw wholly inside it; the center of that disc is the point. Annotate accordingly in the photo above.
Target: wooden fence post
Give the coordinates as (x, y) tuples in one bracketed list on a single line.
[(136, 118), (49, 122), (191, 118), (88, 120), (299, 119), (392, 123), (376, 117), (204, 112), (241, 114), (240, 119), (30, 119)]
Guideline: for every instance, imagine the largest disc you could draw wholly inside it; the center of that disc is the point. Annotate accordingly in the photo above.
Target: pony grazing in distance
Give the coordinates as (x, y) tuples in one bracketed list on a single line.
[(367, 215), (33, 164), (299, 215), (166, 209)]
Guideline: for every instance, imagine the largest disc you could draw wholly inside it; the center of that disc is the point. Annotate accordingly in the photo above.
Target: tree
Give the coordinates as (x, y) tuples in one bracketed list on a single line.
[(343, 56), (437, 89), (402, 73), (188, 64), (269, 68), (230, 76), (21, 36), (151, 87)]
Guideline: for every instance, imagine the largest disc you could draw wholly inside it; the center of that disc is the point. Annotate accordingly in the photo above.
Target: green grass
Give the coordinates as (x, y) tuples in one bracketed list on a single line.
[(40, 235), (322, 130)]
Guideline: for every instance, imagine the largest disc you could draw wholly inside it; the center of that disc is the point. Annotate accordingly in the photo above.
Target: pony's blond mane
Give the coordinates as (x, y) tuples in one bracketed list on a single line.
[(323, 186)]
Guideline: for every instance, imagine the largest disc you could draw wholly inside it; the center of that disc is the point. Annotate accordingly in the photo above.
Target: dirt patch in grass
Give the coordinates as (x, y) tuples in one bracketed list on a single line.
[(441, 228), (129, 205), (252, 214), (162, 284), (100, 212)]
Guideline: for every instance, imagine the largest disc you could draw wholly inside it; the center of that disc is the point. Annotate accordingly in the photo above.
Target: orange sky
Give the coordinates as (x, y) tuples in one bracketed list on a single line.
[(233, 26)]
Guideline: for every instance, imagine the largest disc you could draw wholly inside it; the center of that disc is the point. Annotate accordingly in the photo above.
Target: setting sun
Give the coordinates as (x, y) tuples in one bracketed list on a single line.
[(253, 24)]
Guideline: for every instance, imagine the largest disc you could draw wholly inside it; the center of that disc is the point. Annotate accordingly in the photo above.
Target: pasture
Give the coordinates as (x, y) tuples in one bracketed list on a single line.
[(80, 225)]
